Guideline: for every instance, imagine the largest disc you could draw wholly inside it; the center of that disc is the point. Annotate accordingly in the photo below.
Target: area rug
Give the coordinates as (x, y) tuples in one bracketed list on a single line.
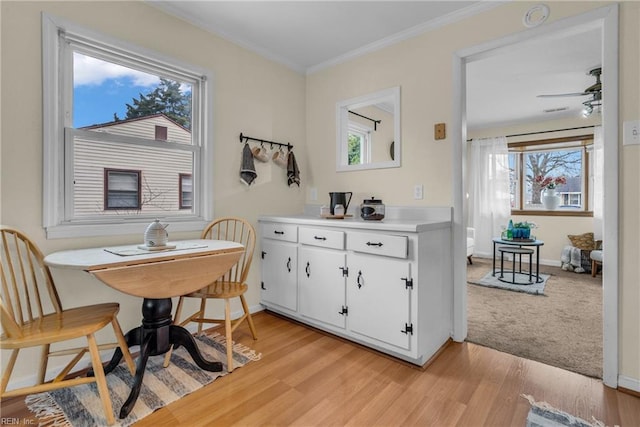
[(493, 282), (563, 328), (80, 406), (542, 414)]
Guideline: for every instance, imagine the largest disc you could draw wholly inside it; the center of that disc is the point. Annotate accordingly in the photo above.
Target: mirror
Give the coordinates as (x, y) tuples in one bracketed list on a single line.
[(368, 131)]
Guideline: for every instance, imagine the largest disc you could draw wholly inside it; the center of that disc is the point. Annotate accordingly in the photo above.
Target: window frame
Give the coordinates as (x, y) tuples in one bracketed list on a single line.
[(181, 204), (57, 81), (365, 134), (138, 173), (585, 142)]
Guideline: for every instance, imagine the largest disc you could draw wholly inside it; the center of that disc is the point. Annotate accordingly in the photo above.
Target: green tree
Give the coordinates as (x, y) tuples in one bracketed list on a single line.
[(548, 163), (354, 149), (166, 99)]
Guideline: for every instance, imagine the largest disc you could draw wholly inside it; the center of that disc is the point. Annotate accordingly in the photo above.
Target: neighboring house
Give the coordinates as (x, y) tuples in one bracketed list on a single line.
[(112, 178), (571, 192)]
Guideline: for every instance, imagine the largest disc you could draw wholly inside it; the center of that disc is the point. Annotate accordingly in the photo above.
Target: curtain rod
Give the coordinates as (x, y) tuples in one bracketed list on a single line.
[(375, 122), (544, 131), (244, 138)]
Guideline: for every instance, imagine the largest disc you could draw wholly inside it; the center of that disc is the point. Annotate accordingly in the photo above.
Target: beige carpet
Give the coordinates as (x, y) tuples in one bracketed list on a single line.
[(562, 328)]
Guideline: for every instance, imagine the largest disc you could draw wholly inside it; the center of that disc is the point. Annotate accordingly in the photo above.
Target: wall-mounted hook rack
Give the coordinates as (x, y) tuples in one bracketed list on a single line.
[(244, 138), (375, 122)]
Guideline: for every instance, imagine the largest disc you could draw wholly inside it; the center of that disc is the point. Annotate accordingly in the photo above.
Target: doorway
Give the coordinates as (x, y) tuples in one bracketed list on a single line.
[(607, 19)]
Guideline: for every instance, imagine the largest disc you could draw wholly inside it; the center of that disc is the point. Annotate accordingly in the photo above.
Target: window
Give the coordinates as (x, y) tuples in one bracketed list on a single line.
[(563, 160), (161, 133), (121, 189), (186, 191), (359, 139), (121, 123)]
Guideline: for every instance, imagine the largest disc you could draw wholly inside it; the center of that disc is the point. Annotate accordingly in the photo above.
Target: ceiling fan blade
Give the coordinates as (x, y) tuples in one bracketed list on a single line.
[(562, 95)]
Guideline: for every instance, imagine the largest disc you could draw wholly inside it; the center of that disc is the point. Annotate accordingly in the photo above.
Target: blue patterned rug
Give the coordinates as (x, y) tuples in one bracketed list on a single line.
[(80, 406), (492, 282), (542, 414)]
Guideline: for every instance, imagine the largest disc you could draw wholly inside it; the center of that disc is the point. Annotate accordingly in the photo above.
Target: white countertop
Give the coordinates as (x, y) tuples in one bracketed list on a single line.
[(387, 224)]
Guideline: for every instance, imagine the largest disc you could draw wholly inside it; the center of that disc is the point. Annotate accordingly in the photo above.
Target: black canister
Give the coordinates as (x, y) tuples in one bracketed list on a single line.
[(372, 209)]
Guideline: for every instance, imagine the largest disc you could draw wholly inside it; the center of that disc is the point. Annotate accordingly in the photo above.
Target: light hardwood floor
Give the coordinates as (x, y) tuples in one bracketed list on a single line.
[(308, 378)]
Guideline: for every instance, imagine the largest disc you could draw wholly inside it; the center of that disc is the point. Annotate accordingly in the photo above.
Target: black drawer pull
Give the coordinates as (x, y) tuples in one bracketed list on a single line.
[(374, 244), (319, 238), (279, 232), (289, 265)]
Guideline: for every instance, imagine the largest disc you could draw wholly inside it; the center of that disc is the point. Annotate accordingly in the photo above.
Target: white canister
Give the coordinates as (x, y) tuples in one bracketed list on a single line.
[(156, 234), (338, 210)]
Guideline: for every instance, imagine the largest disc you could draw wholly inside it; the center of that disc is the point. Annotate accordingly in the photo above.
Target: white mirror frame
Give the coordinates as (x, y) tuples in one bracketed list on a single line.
[(342, 120)]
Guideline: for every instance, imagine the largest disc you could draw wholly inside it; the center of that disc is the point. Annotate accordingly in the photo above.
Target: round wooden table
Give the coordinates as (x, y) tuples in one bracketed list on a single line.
[(156, 276)]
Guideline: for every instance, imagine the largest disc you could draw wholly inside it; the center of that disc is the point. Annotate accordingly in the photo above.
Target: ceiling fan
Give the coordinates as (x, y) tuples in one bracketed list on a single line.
[(595, 91)]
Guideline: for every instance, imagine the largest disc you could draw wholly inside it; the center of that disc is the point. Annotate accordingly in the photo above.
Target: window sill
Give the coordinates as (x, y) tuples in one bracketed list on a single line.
[(113, 229), (541, 212)]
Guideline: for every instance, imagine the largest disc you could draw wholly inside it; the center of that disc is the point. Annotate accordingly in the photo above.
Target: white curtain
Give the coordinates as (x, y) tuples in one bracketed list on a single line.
[(598, 186), (490, 199)]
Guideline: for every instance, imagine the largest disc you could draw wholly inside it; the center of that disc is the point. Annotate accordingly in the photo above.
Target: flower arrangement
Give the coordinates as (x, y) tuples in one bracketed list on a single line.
[(550, 182)]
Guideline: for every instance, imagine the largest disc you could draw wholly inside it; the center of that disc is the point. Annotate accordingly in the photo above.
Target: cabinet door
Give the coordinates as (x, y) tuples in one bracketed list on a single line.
[(279, 274), (378, 298), (321, 285)]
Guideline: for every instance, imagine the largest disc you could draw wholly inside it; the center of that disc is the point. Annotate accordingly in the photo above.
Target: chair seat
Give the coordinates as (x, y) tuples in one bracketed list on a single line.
[(596, 255), (72, 323), (221, 290)]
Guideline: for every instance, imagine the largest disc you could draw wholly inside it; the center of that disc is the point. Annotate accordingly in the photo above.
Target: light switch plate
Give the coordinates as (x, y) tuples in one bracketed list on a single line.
[(631, 132)]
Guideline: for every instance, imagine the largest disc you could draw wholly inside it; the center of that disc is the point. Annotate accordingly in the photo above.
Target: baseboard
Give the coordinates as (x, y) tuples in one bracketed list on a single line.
[(631, 385)]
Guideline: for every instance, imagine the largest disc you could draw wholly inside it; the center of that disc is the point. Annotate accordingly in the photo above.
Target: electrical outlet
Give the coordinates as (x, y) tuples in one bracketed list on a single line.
[(418, 191), (631, 132)]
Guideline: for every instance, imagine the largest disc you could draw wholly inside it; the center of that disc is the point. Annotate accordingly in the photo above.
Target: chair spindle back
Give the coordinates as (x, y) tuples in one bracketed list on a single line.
[(28, 291), (239, 231)]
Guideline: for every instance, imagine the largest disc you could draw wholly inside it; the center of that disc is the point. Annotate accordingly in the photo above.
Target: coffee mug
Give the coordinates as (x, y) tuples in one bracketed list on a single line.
[(279, 158), (260, 153)]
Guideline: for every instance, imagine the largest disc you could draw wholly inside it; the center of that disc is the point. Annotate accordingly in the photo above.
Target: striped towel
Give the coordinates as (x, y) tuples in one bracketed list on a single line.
[(247, 168)]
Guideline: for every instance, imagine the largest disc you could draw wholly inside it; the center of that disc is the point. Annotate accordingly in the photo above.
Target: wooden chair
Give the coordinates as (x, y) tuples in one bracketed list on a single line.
[(32, 315), (231, 285)]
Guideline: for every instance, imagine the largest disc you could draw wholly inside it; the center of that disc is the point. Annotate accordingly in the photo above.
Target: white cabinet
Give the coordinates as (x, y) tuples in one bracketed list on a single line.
[(279, 264), (377, 284), (321, 285), (379, 299)]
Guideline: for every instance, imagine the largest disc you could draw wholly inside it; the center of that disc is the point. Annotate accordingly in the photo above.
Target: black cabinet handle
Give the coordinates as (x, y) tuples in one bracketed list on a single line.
[(374, 244), (289, 265), (359, 280), (319, 238), (308, 270), (278, 232)]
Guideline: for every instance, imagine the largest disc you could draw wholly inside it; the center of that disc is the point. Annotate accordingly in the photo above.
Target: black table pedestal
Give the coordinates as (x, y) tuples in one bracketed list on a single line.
[(155, 336)]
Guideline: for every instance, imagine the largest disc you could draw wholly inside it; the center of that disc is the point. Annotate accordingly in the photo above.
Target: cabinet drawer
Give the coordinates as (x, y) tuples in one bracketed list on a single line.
[(321, 237), (378, 244), (277, 231)]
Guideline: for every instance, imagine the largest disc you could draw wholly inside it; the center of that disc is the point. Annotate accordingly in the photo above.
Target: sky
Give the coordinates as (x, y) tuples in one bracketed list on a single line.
[(103, 88)]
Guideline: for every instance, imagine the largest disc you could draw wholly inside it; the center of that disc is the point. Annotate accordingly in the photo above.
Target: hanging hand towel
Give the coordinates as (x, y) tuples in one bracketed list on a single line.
[(293, 173), (247, 168)]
